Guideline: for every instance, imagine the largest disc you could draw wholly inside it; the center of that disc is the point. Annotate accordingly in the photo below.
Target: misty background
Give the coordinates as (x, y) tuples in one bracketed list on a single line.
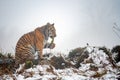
[(77, 22)]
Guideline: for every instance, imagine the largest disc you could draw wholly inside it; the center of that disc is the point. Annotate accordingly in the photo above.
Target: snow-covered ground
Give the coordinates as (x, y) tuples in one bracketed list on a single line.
[(100, 68)]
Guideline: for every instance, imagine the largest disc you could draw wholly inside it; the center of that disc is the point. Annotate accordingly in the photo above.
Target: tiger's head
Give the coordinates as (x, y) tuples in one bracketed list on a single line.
[(47, 30), (51, 31)]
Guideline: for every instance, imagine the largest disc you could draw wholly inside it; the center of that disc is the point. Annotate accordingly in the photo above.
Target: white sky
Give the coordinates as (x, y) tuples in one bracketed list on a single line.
[(77, 22)]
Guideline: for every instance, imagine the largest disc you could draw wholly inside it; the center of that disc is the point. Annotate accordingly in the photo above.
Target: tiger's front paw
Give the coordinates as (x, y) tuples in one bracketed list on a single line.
[(52, 46), (40, 57)]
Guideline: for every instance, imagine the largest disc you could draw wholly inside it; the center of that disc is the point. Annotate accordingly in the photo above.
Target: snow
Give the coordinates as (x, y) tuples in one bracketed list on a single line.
[(100, 61), (118, 64), (84, 67)]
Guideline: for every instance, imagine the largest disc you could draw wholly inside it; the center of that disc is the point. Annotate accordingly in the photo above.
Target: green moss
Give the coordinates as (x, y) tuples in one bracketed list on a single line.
[(28, 64)]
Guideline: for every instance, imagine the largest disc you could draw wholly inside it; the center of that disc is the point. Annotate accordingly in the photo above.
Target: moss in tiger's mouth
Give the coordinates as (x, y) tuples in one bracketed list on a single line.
[(52, 40)]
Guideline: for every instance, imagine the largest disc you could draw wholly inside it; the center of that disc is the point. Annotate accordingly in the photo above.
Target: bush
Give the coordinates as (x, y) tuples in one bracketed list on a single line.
[(59, 62), (116, 49), (1, 55), (75, 53), (6, 64), (104, 50), (78, 55)]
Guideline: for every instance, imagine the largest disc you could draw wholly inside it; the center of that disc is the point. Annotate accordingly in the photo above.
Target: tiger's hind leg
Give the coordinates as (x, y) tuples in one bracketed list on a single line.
[(23, 56)]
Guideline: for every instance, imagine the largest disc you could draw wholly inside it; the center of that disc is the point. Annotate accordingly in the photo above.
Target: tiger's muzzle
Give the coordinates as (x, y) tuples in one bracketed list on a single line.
[(53, 36)]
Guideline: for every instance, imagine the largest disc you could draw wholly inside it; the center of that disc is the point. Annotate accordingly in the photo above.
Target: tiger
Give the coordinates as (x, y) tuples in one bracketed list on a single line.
[(34, 41)]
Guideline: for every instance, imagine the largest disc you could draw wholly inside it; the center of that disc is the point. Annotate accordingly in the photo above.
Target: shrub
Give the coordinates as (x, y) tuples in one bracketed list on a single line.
[(78, 55), (75, 53), (59, 62), (104, 50), (116, 49), (1, 55), (6, 64)]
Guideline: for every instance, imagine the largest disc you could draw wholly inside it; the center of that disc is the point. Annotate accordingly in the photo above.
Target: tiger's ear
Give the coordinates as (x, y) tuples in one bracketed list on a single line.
[(53, 24), (48, 23)]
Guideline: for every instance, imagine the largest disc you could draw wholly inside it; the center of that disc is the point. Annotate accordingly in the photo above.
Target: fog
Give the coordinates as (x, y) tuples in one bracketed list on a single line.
[(77, 22)]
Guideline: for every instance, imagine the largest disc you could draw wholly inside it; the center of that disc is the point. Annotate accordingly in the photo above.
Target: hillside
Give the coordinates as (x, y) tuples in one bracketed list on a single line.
[(88, 63)]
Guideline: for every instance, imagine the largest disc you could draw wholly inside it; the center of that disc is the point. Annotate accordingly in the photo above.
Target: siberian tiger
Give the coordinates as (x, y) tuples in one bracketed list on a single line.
[(33, 42)]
